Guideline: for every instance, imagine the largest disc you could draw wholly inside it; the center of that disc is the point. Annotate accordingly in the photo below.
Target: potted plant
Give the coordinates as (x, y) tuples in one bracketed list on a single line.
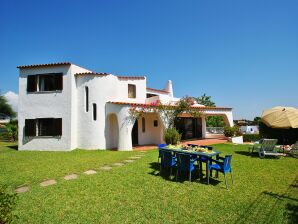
[(233, 134)]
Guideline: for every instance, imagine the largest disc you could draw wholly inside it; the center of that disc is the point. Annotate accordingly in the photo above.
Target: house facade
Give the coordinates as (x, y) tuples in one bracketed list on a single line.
[(63, 106)]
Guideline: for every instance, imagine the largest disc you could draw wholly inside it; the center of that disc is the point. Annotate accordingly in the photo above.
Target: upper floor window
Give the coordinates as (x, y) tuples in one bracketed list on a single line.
[(43, 127), (45, 82), (131, 91)]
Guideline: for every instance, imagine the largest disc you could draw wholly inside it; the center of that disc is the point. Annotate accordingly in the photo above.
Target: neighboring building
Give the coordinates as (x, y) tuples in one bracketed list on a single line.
[(4, 119), (252, 129), (63, 106)]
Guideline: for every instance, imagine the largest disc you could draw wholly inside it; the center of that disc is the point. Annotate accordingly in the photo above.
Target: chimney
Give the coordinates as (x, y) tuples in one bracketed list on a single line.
[(169, 88)]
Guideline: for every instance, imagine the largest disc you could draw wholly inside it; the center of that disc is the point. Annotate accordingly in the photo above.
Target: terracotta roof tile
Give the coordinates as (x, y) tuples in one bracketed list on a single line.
[(157, 90), (93, 73), (44, 65), (131, 77)]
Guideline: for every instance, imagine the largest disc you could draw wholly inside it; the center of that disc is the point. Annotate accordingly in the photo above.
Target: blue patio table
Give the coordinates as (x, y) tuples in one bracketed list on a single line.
[(199, 154)]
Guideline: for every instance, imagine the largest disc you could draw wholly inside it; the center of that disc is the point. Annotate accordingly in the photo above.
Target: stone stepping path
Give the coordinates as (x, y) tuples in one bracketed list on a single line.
[(117, 164), (48, 183), (70, 177), (105, 168), (141, 155), (128, 161), (25, 188), (90, 172), (22, 189)]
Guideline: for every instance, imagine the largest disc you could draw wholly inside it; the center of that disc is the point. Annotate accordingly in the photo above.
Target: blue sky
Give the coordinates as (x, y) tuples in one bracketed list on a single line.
[(244, 53)]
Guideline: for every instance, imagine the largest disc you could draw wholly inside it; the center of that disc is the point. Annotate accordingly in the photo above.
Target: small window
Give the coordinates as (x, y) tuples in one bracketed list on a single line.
[(155, 123), (45, 82), (49, 127), (43, 127), (143, 124), (50, 82), (94, 112), (87, 98), (131, 91)]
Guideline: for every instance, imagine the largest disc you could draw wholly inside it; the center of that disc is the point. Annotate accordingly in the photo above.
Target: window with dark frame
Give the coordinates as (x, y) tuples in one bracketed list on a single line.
[(132, 91), (143, 124), (45, 82), (94, 112), (87, 98), (155, 123), (43, 127)]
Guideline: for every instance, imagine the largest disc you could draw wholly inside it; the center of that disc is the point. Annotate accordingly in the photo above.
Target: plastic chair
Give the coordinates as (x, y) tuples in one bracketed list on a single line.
[(185, 163), (160, 146), (222, 165), (167, 160)]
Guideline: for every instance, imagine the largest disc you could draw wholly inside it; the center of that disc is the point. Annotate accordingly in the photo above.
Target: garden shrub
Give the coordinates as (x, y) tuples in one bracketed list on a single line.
[(228, 131), (172, 136), (232, 131), (7, 203), (251, 137)]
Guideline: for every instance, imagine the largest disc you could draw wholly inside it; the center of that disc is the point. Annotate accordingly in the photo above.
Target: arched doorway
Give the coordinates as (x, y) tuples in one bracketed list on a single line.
[(112, 133)]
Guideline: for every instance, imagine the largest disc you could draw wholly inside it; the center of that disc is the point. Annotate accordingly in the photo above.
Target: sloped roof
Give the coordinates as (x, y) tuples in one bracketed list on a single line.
[(157, 90), (44, 65)]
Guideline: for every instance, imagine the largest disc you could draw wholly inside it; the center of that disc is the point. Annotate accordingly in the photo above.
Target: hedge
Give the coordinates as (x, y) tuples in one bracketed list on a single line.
[(251, 137), (284, 136)]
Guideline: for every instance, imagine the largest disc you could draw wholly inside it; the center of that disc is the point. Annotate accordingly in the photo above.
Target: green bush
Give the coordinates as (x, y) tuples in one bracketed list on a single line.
[(7, 203), (232, 131), (172, 136), (251, 137)]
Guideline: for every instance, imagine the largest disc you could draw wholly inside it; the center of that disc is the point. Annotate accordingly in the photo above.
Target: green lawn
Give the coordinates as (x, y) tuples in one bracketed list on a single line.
[(265, 191)]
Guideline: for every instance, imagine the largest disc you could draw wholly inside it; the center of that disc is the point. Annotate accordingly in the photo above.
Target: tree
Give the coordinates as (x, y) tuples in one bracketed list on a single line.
[(205, 100), (256, 120), (12, 130), (212, 121), (5, 108)]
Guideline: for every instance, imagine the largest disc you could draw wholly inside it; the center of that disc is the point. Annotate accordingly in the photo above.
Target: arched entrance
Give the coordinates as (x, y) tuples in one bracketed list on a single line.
[(112, 132)]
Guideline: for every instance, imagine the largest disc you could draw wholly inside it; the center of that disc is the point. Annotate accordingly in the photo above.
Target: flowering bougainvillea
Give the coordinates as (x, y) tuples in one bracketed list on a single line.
[(168, 112)]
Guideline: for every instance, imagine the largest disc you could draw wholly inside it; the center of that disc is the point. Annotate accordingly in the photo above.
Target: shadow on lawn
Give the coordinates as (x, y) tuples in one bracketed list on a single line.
[(254, 155), (165, 174), (14, 147), (268, 203)]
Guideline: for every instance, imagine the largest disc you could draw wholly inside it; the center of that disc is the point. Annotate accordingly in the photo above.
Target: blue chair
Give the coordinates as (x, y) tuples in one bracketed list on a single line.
[(160, 146), (185, 163), (167, 160), (223, 165)]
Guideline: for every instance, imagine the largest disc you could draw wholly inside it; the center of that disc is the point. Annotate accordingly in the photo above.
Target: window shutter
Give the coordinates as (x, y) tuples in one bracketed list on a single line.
[(30, 127), (31, 83), (58, 127), (59, 81)]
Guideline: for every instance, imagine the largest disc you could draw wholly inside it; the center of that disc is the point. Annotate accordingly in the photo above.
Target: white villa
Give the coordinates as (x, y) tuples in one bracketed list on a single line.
[(63, 106)]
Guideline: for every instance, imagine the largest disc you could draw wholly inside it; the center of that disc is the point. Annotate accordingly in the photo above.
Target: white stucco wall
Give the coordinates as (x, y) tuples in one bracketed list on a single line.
[(102, 89), (58, 104), (45, 105), (152, 135)]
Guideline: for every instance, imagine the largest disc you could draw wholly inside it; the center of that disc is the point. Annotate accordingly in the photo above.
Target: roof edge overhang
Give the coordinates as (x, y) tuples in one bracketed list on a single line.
[(150, 105)]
